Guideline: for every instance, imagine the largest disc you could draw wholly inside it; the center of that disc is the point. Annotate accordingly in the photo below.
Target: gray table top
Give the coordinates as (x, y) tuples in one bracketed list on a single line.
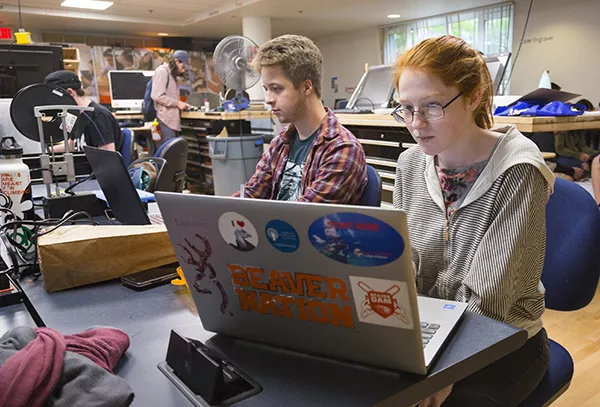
[(287, 378)]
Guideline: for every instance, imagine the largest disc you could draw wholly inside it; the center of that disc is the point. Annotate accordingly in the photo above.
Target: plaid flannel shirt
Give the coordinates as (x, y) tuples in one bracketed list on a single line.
[(334, 171)]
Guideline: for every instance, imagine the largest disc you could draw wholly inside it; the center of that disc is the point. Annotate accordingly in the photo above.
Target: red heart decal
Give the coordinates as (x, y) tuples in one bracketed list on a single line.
[(240, 223)]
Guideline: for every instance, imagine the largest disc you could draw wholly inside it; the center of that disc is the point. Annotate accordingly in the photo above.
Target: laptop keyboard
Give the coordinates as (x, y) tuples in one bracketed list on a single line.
[(156, 219), (427, 331)]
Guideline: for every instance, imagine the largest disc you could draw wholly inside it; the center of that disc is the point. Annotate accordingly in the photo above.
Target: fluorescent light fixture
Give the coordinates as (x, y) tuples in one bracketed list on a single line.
[(163, 34), (393, 16), (87, 4)]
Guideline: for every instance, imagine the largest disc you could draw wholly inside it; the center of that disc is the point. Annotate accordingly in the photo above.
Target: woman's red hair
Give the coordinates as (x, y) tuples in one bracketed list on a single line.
[(456, 63)]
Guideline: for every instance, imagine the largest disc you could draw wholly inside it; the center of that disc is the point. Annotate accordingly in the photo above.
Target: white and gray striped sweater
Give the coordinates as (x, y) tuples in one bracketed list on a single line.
[(490, 252)]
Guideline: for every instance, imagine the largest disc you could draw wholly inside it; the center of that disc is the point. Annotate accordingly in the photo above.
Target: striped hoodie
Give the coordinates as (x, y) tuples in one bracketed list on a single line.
[(490, 252)]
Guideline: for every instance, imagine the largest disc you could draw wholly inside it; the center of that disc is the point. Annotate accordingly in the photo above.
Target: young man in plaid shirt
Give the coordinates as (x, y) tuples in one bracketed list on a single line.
[(315, 159)]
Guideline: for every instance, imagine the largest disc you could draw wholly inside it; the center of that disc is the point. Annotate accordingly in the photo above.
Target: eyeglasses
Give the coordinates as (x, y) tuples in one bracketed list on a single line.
[(430, 112)]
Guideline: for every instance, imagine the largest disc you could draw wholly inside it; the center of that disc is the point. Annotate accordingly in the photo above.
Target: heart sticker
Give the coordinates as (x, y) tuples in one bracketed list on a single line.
[(241, 223)]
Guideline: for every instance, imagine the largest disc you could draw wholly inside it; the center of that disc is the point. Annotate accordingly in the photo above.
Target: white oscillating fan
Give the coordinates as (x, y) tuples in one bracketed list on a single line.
[(232, 62)]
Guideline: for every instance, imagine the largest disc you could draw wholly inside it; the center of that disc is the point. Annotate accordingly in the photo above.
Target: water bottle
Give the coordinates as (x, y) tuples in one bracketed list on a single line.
[(15, 191), (545, 81)]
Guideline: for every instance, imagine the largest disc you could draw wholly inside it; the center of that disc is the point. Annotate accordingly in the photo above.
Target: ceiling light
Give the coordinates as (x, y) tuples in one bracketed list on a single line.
[(393, 16), (163, 34), (87, 4)]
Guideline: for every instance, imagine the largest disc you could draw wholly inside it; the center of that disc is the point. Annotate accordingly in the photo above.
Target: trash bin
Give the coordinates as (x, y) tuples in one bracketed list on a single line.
[(234, 160)]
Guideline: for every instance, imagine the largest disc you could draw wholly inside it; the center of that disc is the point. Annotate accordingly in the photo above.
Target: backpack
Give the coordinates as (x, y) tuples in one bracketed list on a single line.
[(148, 109), (144, 175)]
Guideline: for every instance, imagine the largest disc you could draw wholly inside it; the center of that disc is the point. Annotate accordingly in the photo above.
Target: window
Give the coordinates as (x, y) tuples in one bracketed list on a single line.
[(488, 30)]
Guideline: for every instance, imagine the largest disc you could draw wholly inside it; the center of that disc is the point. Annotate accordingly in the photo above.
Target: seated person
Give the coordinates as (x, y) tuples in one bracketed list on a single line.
[(476, 202), (100, 128), (572, 150), (595, 170), (569, 173), (315, 159)]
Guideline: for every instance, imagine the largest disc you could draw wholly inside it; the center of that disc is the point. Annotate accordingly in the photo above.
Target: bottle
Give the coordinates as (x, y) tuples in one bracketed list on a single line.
[(155, 131), (206, 105), (15, 190), (545, 80)]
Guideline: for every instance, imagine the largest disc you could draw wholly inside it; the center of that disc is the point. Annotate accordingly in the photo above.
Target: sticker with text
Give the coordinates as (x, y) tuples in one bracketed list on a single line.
[(282, 236), (238, 232), (382, 302), (356, 239)]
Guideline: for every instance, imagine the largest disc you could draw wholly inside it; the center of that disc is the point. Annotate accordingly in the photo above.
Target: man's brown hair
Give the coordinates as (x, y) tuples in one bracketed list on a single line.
[(298, 56)]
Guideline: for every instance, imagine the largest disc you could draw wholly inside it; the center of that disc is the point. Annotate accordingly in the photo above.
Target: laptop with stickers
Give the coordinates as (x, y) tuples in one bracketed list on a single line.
[(331, 280)]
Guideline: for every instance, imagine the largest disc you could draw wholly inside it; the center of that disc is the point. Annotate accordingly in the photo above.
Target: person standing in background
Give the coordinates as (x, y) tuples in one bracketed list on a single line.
[(165, 94)]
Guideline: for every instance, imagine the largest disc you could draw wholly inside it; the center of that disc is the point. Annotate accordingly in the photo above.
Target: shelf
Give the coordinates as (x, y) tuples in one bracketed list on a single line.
[(194, 128), (207, 166), (195, 180), (381, 161), (369, 142), (387, 175), (387, 187)]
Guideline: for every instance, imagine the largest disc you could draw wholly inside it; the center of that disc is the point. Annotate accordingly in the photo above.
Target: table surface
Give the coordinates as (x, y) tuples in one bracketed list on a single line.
[(244, 115), (148, 317), (524, 124)]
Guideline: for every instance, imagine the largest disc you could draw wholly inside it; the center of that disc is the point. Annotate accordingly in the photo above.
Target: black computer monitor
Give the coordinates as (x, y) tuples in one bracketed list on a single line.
[(23, 65), (497, 66)]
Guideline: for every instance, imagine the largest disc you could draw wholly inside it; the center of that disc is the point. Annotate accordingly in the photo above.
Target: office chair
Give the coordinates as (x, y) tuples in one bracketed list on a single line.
[(372, 194), (127, 147), (570, 275), (172, 176)]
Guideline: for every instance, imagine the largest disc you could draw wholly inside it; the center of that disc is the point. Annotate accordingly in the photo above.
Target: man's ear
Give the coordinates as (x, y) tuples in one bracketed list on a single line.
[(307, 87)]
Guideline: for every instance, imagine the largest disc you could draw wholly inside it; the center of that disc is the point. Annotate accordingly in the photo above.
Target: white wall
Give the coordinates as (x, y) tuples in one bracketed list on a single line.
[(563, 37), (344, 57)]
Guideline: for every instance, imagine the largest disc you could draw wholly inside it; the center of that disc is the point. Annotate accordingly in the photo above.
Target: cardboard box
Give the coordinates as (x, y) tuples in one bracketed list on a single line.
[(78, 255)]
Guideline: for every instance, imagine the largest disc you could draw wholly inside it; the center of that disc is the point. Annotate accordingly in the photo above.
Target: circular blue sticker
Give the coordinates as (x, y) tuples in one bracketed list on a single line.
[(282, 236), (356, 239)]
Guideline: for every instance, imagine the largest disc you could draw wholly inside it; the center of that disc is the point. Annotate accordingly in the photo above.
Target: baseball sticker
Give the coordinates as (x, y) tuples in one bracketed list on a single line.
[(282, 236), (382, 302), (356, 239), (238, 232)]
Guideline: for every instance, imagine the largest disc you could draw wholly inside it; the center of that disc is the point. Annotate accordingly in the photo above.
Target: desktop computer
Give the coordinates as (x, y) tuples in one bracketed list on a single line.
[(127, 89)]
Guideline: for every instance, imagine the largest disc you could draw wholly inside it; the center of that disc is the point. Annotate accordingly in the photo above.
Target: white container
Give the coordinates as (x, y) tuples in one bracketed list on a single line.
[(15, 182), (545, 81), (15, 195)]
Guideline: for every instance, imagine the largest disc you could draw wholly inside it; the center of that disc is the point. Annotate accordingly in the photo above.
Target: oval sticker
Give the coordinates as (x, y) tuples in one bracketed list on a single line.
[(356, 239)]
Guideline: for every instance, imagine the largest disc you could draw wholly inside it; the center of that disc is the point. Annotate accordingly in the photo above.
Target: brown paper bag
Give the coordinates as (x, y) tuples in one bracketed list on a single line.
[(77, 255)]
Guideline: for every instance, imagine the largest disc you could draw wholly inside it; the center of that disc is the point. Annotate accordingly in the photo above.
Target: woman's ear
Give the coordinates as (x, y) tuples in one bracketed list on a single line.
[(475, 99)]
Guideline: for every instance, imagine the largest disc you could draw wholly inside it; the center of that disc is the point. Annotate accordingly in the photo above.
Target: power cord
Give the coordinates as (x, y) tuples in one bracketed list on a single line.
[(19, 251), (512, 69), (69, 189), (366, 98)]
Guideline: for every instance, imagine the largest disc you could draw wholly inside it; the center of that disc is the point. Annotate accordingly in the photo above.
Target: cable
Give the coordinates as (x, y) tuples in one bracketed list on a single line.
[(20, 21), (512, 69), (81, 181), (364, 97), (97, 129)]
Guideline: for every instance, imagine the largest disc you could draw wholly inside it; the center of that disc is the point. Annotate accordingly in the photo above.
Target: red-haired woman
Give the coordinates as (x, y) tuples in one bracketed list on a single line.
[(475, 200)]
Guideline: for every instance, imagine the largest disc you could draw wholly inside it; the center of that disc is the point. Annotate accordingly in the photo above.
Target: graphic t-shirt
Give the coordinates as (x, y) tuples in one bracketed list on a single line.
[(290, 186)]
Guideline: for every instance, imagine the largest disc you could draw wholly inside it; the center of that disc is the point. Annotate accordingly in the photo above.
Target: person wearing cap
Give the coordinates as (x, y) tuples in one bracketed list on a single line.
[(165, 94), (99, 127)]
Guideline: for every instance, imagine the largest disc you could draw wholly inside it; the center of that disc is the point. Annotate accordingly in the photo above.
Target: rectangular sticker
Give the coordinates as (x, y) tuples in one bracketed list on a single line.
[(382, 302)]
